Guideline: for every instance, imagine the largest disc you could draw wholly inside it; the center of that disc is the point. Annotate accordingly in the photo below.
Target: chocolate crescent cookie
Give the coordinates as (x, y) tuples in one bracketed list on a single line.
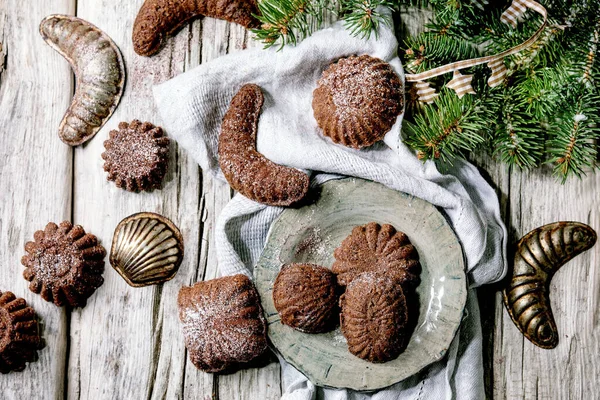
[(374, 247), (19, 334), (248, 171), (160, 18), (223, 323), (374, 317), (136, 156), (64, 264), (305, 297), (357, 100)]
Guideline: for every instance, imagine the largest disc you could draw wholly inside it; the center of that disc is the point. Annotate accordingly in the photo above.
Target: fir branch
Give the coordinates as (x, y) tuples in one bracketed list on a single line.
[(287, 21), (430, 50), (362, 18), (519, 141), (574, 133), (540, 92), (448, 127)]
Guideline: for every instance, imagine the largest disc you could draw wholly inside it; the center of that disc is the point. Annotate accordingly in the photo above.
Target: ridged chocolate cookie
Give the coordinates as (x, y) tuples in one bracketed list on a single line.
[(357, 100), (64, 264), (19, 333), (136, 156), (375, 247), (374, 317)]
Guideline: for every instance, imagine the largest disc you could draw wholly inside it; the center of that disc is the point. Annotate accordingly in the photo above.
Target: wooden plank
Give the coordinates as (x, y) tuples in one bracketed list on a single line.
[(570, 371), (36, 176), (263, 380), (127, 343), (215, 194), (497, 175)]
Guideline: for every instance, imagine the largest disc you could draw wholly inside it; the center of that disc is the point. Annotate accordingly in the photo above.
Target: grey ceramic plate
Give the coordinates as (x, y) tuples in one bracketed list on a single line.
[(311, 233)]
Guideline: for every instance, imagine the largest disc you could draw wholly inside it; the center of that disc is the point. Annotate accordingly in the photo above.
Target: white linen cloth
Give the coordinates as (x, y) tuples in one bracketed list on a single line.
[(192, 106)]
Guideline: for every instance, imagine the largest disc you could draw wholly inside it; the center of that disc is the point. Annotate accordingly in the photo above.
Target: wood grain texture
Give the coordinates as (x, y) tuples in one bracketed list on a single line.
[(126, 343), (36, 176), (571, 370)]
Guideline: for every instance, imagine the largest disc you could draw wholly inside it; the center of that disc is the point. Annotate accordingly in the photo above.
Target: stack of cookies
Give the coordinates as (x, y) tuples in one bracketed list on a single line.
[(376, 271)]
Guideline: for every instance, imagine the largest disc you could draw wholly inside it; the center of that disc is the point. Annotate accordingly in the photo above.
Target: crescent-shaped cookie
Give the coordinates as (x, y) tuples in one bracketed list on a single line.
[(539, 255), (159, 18), (99, 74), (248, 171)]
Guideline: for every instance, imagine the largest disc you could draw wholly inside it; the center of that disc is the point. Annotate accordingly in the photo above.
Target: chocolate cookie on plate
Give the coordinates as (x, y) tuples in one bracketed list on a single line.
[(375, 247), (374, 317), (305, 297)]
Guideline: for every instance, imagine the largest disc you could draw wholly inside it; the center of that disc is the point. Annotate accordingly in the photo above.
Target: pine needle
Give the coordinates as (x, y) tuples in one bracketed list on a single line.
[(447, 128), (574, 135)]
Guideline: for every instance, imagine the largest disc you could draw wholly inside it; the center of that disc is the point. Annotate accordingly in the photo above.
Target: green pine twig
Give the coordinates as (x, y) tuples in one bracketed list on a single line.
[(574, 135), (448, 127), (362, 18), (288, 21)]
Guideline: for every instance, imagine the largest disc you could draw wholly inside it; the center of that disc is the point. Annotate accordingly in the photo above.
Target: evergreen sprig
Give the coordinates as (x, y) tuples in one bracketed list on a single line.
[(449, 127), (546, 111), (573, 136), (362, 18), (287, 21)]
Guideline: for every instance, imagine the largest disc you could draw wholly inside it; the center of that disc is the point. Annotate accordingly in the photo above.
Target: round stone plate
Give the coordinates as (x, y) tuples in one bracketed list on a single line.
[(311, 234)]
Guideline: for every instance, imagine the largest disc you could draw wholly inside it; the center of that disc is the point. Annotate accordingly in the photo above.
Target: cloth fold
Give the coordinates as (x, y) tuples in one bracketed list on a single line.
[(192, 106)]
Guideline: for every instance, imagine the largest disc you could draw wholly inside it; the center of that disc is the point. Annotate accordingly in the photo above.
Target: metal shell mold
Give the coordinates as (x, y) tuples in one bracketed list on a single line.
[(538, 256), (99, 72), (147, 248)]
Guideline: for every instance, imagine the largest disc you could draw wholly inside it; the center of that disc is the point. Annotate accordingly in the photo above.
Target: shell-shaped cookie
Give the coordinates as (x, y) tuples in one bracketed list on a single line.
[(374, 317), (147, 248), (99, 74), (223, 323), (19, 333), (357, 100), (538, 256), (248, 171), (375, 247), (159, 18), (305, 297)]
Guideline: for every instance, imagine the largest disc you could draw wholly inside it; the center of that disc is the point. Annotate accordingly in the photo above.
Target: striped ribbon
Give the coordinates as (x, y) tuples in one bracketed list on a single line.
[(514, 13), (481, 4), (462, 83), (498, 72)]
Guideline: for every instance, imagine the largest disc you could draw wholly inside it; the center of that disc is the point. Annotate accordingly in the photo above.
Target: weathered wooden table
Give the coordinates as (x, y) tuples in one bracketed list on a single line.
[(126, 343)]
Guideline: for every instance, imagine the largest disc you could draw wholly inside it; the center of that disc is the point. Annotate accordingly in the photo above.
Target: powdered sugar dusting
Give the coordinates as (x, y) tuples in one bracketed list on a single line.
[(221, 322), (338, 338), (357, 100), (314, 246)]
